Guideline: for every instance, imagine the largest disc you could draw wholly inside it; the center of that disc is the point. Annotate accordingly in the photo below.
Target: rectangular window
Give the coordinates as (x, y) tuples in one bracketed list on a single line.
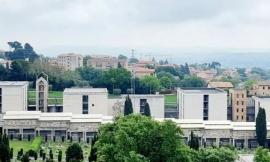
[(142, 105), (237, 95), (242, 102), (85, 104), (237, 102), (205, 106)]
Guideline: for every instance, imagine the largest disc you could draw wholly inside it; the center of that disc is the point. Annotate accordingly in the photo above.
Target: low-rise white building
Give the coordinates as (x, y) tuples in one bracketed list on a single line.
[(262, 102), (202, 103), (13, 96), (86, 101)]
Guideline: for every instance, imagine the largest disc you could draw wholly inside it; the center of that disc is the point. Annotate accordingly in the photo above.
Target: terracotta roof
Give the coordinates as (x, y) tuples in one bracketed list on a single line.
[(221, 84)]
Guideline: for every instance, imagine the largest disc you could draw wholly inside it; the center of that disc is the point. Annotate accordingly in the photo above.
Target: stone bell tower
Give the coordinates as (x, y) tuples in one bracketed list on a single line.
[(42, 87)]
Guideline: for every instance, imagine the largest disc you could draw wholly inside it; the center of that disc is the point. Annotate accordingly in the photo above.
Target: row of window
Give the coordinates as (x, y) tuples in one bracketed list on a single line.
[(237, 117), (237, 110), (205, 106), (237, 102), (238, 95)]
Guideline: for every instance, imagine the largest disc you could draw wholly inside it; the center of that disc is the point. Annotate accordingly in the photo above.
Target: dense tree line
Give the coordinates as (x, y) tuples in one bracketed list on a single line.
[(139, 138)]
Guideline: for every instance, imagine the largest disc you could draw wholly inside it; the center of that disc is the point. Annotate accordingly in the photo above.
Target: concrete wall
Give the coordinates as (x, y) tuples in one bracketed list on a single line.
[(191, 106), (263, 103), (14, 98), (97, 103), (156, 104)]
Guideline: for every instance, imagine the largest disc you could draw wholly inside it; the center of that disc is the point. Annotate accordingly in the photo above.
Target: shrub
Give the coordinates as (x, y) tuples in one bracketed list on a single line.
[(29, 137), (59, 158), (43, 156), (262, 155), (31, 153), (51, 154), (11, 153), (74, 153), (25, 158), (40, 152)]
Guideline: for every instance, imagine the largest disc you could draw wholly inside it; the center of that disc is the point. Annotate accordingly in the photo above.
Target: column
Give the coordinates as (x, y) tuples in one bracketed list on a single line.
[(217, 142)]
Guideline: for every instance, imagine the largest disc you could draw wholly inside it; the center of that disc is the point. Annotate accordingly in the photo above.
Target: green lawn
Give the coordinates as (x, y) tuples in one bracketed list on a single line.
[(17, 145), (55, 97), (172, 98), (52, 94)]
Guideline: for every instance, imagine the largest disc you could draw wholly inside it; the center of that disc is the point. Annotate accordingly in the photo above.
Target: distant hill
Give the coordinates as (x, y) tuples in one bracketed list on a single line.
[(248, 60)]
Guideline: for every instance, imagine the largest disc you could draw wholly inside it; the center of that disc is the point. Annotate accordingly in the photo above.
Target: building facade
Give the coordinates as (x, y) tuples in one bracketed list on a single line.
[(106, 62), (238, 99), (202, 103), (70, 61), (262, 102), (42, 92), (261, 88), (83, 127), (13, 96), (86, 101)]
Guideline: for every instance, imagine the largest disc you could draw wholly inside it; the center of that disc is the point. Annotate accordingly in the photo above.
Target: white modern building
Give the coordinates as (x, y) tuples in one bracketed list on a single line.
[(86, 101), (202, 103), (82, 127), (156, 104), (70, 61), (13, 96), (263, 102)]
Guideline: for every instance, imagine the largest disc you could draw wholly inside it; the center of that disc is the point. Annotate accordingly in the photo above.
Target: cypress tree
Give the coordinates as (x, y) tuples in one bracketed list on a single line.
[(261, 131), (194, 141), (93, 152), (147, 111), (128, 109)]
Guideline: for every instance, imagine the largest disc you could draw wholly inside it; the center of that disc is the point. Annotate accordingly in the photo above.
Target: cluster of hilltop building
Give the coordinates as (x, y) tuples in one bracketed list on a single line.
[(219, 114)]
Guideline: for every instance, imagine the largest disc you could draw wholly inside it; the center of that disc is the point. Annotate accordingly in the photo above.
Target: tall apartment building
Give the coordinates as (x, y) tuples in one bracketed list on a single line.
[(106, 62), (70, 61), (13, 96), (202, 103), (261, 88), (238, 100)]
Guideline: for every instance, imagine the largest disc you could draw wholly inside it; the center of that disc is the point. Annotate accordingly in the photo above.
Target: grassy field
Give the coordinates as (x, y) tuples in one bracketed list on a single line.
[(17, 145), (55, 97), (170, 98), (52, 94)]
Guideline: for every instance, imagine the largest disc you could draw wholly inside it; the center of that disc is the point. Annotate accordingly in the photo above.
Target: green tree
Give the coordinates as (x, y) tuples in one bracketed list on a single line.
[(128, 108), (262, 155), (261, 131), (141, 139), (147, 111), (122, 57), (165, 82), (192, 81), (93, 152), (194, 141), (116, 78), (4, 149), (59, 158), (151, 83), (74, 153), (25, 158)]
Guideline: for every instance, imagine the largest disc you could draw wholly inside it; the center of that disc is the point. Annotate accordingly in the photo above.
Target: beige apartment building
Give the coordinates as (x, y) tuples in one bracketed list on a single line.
[(261, 88), (238, 101), (70, 61), (106, 62)]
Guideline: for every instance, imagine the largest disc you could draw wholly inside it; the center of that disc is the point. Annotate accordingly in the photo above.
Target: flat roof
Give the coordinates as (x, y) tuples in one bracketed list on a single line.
[(13, 83), (201, 90), (85, 90)]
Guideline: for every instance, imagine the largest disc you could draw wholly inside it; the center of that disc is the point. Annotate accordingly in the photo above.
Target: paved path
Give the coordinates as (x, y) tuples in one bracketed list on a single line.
[(245, 158)]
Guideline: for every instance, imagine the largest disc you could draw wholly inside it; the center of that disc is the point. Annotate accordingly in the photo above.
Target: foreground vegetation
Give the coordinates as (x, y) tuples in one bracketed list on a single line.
[(139, 138)]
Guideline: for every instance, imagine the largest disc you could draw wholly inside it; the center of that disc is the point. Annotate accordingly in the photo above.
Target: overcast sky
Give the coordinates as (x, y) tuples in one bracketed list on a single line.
[(114, 26)]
